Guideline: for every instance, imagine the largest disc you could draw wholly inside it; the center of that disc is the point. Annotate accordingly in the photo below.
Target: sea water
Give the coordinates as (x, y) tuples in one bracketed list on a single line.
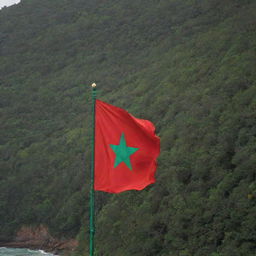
[(22, 252)]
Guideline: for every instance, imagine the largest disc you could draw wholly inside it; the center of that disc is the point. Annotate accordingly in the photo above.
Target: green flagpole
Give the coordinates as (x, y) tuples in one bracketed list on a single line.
[(92, 226)]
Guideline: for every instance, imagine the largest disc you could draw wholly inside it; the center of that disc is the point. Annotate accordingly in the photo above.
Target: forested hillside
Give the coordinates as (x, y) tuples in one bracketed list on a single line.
[(186, 65)]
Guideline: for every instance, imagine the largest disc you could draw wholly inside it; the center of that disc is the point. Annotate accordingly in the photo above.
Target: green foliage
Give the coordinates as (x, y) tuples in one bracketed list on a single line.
[(188, 66)]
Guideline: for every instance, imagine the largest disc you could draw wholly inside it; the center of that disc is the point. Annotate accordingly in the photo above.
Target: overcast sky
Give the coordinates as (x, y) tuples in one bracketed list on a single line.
[(8, 2)]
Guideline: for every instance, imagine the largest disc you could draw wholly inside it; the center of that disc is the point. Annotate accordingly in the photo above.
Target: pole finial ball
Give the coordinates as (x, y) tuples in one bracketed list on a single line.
[(93, 85)]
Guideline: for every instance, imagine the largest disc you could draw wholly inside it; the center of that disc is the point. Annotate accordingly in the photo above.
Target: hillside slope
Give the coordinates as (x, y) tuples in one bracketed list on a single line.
[(188, 66)]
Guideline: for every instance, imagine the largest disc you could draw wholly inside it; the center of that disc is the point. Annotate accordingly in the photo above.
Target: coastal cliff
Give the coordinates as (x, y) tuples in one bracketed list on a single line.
[(39, 238)]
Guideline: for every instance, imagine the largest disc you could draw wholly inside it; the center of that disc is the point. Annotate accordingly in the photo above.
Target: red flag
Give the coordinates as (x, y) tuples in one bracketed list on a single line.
[(126, 149)]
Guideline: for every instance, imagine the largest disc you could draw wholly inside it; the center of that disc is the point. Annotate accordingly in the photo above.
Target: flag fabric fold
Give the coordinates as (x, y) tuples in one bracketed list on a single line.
[(126, 149)]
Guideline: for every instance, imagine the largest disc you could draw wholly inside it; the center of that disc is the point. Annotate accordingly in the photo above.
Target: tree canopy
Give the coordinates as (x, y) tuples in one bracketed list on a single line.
[(188, 66)]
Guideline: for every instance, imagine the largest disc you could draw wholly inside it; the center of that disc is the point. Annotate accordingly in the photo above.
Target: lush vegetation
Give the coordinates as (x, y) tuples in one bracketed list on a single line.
[(188, 66)]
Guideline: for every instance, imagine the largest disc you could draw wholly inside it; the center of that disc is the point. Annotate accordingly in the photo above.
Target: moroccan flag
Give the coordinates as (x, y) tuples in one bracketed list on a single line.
[(126, 149)]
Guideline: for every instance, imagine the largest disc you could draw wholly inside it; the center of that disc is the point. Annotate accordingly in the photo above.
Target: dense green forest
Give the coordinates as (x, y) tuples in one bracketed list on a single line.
[(186, 65)]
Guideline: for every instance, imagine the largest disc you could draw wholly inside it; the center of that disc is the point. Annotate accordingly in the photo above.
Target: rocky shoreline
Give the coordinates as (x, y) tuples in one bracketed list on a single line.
[(38, 238)]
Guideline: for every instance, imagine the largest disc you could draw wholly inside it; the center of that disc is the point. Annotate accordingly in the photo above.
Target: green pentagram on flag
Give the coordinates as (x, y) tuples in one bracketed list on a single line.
[(123, 152)]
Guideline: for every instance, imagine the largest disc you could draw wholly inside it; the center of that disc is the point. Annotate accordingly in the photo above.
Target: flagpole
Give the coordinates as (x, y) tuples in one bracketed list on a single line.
[(92, 203)]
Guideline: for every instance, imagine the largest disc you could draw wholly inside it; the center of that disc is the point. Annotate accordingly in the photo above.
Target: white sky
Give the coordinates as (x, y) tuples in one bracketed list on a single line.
[(8, 2)]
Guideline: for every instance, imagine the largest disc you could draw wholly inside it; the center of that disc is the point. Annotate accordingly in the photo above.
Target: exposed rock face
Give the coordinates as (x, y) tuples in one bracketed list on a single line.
[(39, 238)]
